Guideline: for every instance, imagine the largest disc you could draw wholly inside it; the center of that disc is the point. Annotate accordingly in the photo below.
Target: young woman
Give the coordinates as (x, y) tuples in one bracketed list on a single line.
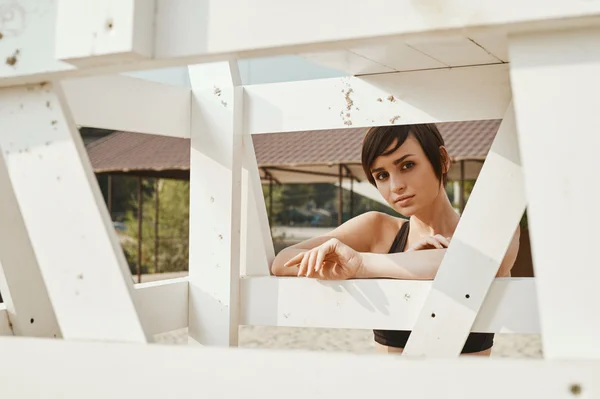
[(408, 165)]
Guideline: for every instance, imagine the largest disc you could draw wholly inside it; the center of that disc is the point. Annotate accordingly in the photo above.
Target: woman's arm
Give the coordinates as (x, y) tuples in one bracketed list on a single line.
[(359, 233), (418, 265)]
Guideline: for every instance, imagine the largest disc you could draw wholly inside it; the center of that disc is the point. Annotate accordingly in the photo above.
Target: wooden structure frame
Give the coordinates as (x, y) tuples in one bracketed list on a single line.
[(64, 275)]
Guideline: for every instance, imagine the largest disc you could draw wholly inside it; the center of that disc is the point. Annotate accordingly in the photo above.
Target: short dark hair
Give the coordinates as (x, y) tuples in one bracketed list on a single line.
[(379, 138)]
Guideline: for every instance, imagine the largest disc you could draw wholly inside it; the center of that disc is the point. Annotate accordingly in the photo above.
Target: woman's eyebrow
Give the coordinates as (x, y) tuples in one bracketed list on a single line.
[(396, 162)]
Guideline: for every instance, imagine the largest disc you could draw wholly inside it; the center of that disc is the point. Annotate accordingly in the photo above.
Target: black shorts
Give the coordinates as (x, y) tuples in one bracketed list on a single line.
[(476, 342)]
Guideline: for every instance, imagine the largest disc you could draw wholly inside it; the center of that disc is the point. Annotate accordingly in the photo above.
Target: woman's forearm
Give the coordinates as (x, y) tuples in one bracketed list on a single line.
[(418, 265)]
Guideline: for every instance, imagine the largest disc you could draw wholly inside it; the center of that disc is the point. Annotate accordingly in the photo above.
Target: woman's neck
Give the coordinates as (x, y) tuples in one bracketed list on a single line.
[(438, 218)]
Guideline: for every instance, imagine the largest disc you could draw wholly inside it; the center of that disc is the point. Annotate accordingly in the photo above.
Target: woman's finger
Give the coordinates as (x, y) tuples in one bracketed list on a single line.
[(434, 242), (295, 261), (303, 264), (320, 258), (443, 240), (310, 268)]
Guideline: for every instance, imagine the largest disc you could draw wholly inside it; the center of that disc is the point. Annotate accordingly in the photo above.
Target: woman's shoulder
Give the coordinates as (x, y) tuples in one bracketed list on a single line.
[(380, 227)]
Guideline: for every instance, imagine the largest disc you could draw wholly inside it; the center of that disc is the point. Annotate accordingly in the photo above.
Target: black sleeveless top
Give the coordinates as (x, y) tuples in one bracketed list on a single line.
[(476, 342)]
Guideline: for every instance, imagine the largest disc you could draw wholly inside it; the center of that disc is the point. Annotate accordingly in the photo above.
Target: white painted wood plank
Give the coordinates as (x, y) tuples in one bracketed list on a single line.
[(215, 195), (96, 32), (453, 50), (162, 305), (510, 306), (338, 22), (6, 327), (493, 42), (224, 373), (257, 243), (209, 22), (478, 246), (443, 95), (397, 55), (130, 104), (556, 80), (347, 61), (80, 258), (21, 282)]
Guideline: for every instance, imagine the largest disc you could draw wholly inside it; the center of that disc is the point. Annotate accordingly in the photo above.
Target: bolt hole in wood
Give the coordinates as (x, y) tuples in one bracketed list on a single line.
[(575, 389), (31, 320), (433, 315), (467, 296)]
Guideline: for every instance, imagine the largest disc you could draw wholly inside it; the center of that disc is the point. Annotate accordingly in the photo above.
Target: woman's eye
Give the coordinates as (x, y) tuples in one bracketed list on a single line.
[(408, 165), (381, 176)]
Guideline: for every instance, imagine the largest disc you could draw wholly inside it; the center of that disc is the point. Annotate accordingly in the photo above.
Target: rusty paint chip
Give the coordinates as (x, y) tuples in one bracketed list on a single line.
[(391, 98), (394, 119)]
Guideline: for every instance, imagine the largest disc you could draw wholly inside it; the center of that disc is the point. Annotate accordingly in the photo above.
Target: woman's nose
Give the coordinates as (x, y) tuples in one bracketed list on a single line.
[(397, 184)]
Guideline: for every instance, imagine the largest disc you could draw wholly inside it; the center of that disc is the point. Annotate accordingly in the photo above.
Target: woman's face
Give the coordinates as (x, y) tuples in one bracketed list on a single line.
[(405, 178)]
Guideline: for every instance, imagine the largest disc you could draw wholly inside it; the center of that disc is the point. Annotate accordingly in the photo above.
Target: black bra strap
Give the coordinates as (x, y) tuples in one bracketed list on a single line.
[(399, 243)]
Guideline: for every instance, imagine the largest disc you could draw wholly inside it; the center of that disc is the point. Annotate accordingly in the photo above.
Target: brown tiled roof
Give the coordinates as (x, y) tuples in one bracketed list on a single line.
[(464, 140), (127, 152)]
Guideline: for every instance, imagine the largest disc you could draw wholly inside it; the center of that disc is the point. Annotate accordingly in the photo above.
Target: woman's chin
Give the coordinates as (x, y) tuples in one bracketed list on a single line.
[(407, 211)]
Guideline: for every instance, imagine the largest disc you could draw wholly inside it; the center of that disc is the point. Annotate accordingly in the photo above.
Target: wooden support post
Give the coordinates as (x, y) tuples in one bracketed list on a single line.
[(29, 310), (156, 225), (462, 186), (475, 253), (110, 196), (271, 202), (140, 217), (215, 195), (340, 195), (556, 80), (65, 218)]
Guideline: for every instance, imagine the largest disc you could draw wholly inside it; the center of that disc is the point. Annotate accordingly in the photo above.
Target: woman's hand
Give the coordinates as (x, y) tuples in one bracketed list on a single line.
[(430, 242), (332, 260)]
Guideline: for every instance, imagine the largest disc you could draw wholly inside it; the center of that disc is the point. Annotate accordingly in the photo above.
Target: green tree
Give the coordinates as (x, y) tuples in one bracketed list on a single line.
[(173, 227)]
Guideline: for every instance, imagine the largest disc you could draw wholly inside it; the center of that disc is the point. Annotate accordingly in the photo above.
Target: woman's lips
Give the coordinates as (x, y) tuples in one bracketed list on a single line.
[(404, 201)]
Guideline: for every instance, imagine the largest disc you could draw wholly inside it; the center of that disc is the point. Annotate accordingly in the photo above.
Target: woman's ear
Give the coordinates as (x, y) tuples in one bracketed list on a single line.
[(446, 163)]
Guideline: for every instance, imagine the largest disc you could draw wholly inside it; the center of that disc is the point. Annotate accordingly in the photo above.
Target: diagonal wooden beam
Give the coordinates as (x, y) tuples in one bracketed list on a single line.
[(485, 230), (68, 227)]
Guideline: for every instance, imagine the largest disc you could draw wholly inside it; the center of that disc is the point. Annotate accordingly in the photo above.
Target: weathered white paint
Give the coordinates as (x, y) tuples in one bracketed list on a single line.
[(443, 95), (510, 306), (215, 192), (21, 282), (130, 104), (209, 23), (486, 228), (162, 305), (97, 32), (6, 327), (69, 229), (556, 80), (98, 368)]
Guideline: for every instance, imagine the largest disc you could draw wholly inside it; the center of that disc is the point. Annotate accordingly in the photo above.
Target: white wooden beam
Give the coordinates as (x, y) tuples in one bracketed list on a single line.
[(215, 196), (6, 327), (162, 305), (556, 79), (131, 104), (224, 373), (510, 306), (30, 32), (478, 246), (97, 32), (28, 305), (257, 243), (443, 95), (68, 226)]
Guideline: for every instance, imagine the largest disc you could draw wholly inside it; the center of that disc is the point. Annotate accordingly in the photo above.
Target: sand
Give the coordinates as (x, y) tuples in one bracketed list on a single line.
[(342, 340)]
